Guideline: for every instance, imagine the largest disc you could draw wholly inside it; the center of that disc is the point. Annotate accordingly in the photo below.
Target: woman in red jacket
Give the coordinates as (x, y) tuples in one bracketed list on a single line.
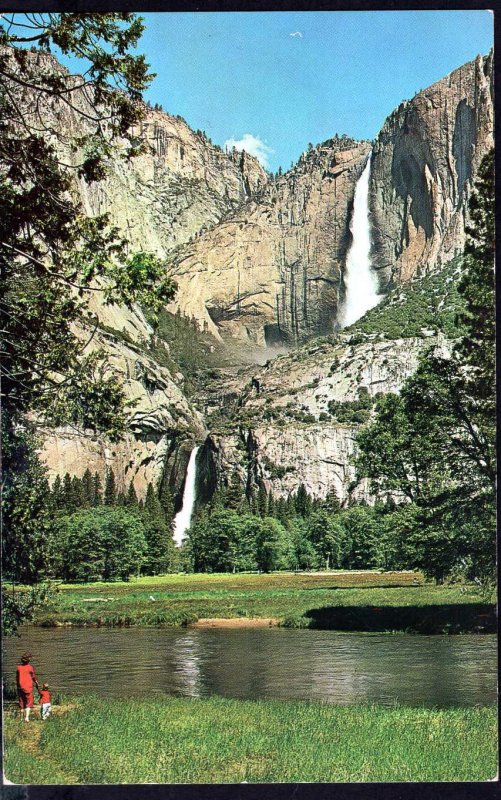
[(25, 678)]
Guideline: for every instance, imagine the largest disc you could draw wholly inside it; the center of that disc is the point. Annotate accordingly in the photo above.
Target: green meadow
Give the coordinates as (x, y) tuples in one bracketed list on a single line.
[(365, 600), (184, 740)]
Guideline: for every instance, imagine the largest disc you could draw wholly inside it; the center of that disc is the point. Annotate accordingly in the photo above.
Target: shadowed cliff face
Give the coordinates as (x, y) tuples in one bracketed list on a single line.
[(424, 164)]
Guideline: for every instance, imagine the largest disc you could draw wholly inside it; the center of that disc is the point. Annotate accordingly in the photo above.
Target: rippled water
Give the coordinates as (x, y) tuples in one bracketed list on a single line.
[(263, 663)]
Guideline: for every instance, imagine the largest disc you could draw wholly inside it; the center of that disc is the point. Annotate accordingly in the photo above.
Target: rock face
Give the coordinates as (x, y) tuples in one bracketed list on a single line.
[(284, 432), (317, 455), (177, 185), (160, 419), (424, 163), (272, 273), (180, 186)]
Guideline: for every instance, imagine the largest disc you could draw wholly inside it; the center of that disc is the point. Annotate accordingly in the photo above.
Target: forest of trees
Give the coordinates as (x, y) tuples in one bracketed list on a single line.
[(94, 532), (233, 533)]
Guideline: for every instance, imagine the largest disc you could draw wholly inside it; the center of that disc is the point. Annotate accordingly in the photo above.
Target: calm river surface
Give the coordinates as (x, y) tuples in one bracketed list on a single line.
[(262, 663)]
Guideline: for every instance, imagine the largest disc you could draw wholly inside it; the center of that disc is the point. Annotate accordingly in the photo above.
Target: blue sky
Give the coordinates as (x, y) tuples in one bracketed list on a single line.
[(274, 81), (244, 73)]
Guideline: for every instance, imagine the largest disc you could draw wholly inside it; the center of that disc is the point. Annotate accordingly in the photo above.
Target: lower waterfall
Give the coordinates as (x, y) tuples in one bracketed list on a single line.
[(182, 519)]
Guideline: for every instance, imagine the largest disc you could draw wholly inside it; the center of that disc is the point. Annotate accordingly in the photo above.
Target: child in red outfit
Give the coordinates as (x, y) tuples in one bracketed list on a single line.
[(45, 704), (25, 678)]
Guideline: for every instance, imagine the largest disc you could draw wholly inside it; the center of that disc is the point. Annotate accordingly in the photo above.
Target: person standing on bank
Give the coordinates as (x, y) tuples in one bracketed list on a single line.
[(45, 701), (25, 679)]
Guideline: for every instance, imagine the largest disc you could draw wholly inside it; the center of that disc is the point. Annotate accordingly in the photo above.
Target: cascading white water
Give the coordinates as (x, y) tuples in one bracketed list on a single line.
[(359, 278), (182, 519)]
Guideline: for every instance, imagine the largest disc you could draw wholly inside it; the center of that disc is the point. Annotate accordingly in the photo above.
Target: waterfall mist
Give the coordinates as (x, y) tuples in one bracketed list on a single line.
[(360, 280), (182, 519)]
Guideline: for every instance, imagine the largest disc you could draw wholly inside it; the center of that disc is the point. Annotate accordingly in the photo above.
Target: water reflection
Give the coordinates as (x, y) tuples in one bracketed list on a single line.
[(185, 657), (264, 663)]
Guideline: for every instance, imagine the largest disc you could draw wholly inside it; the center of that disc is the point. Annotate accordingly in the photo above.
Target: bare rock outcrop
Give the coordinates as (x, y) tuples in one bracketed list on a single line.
[(286, 430), (176, 184), (160, 415), (182, 184), (424, 162)]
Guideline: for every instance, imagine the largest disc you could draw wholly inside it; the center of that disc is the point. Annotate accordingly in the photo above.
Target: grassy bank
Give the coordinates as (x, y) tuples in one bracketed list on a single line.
[(338, 601), (182, 740)]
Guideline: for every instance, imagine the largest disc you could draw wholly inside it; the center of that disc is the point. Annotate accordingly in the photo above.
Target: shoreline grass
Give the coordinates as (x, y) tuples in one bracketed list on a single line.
[(215, 740), (358, 601)]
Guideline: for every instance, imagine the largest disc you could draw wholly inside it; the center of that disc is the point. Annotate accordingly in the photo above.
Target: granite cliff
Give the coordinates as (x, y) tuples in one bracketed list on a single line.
[(178, 187), (424, 162), (259, 262), (179, 184), (295, 419), (272, 272)]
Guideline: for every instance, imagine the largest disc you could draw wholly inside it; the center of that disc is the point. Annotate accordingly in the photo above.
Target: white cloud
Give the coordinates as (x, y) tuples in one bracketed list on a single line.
[(297, 33), (252, 145)]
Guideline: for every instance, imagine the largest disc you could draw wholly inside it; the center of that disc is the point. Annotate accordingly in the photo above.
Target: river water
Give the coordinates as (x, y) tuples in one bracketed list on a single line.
[(270, 663)]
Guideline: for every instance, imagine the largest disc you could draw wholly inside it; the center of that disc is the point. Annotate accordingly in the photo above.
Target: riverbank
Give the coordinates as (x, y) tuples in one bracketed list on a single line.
[(358, 601), (184, 740), (235, 622)]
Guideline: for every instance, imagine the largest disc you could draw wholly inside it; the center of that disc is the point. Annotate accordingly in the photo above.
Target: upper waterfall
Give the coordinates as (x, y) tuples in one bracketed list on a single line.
[(360, 280), (182, 519)]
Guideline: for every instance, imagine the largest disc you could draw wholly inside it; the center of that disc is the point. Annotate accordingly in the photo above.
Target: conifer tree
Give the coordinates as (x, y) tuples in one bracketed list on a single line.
[(77, 489), (252, 500), (110, 491), (131, 499), (166, 502), (25, 545), (160, 552), (57, 494), (271, 505), (331, 502), (281, 510), (302, 501), (290, 507), (262, 501), (234, 494), (477, 348), (97, 490), (87, 489), (67, 496)]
